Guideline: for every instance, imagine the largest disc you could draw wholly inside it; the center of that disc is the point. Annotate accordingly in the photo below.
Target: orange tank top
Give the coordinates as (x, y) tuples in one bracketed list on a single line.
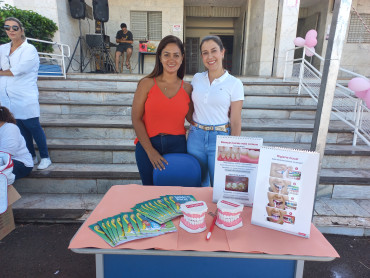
[(163, 114)]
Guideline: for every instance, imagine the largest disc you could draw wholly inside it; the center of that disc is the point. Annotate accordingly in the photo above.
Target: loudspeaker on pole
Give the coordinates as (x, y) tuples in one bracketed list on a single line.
[(77, 8), (101, 10)]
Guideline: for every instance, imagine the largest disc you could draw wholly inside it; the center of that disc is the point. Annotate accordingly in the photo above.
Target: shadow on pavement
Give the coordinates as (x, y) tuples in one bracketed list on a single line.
[(40, 250)]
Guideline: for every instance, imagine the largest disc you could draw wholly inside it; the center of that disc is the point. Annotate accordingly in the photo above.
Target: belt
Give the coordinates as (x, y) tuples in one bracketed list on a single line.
[(211, 127)]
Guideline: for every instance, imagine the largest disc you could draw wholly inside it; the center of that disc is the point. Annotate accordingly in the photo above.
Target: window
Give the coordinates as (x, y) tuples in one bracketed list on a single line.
[(146, 25), (357, 32)]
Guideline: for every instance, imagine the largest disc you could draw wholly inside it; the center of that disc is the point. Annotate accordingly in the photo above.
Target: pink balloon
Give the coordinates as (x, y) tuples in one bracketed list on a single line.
[(310, 51), (359, 84), (311, 42), (367, 99), (299, 41), (361, 94), (311, 34)]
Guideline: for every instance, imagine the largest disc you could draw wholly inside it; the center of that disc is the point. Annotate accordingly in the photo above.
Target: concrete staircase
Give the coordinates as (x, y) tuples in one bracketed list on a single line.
[(87, 122)]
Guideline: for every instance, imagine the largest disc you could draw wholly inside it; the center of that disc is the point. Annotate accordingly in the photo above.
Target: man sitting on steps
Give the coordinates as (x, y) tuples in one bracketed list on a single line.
[(124, 39)]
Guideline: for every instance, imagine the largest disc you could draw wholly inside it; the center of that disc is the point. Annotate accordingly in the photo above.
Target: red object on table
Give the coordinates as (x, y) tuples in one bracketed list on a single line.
[(143, 47), (212, 226)]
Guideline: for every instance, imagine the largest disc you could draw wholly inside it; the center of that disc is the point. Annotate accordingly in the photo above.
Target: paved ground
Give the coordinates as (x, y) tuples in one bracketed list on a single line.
[(36, 250)]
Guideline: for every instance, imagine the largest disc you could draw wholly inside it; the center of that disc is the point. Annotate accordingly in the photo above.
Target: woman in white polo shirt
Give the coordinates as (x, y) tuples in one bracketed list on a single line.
[(218, 100), (19, 64)]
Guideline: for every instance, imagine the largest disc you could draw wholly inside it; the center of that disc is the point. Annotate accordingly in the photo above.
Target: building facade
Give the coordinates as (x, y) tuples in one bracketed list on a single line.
[(256, 33)]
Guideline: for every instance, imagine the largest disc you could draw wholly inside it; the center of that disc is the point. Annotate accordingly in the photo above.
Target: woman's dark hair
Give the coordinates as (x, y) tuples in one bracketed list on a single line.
[(19, 23), (6, 116), (158, 68), (216, 39)]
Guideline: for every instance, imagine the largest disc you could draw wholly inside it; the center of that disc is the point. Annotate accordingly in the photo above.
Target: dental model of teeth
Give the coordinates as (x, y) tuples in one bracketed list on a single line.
[(193, 220), (229, 214)]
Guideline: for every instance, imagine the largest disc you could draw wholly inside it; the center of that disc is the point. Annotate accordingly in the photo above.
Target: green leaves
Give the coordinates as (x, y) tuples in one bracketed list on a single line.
[(36, 26)]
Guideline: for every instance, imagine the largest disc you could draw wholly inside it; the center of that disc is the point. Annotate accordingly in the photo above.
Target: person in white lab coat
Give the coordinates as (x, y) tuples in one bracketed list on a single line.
[(18, 88)]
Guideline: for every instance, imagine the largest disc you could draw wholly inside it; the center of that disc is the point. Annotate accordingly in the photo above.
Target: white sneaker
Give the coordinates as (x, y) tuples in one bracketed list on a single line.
[(44, 163), (35, 160)]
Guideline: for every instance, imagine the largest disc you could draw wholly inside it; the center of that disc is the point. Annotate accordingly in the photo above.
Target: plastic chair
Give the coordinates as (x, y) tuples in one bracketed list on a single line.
[(182, 170)]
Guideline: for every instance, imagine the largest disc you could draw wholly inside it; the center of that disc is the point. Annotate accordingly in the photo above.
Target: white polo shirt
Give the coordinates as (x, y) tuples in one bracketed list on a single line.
[(212, 101), (19, 93), (11, 141)]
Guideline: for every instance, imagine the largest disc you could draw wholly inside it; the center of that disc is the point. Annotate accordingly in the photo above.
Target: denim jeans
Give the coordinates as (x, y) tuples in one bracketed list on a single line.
[(163, 144), (20, 170), (202, 145), (31, 129)]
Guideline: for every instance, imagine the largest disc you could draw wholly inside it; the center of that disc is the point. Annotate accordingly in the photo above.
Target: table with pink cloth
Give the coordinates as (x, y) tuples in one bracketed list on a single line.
[(249, 239)]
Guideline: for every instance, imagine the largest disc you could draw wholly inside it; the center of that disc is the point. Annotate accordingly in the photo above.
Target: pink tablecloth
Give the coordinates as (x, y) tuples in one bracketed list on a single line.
[(247, 239)]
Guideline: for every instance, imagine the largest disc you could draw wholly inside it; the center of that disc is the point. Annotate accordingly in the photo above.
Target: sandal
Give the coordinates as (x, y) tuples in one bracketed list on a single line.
[(128, 66)]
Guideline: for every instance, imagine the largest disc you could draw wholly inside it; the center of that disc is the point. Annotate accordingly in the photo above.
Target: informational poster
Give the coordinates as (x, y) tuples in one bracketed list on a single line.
[(285, 190), (236, 168)]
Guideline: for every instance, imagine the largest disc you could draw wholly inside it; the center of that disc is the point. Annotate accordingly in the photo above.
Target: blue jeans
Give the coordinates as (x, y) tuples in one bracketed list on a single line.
[(20, 170), (163, 144), (31, 129), (202, 145)]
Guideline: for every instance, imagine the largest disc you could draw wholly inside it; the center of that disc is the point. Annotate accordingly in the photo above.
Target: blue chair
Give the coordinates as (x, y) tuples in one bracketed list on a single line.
[(182, 170)]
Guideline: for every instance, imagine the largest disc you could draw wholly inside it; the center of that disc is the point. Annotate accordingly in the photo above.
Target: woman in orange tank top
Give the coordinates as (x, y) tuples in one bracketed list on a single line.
[(161, 103)]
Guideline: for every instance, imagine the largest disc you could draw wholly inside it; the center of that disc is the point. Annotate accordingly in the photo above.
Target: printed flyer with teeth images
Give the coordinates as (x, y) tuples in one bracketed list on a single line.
[(285, 190), (236, 165)]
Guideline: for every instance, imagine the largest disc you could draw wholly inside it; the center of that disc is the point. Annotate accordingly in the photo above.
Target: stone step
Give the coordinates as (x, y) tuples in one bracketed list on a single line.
[(122, 98), (335, 216), (124, 83), (125, 98), (120, 127), (97, 178), (249, 111), (102, 121), (137, 77), (115, 151), (130, 86), (124, 145), (88, 85), (255, 80)]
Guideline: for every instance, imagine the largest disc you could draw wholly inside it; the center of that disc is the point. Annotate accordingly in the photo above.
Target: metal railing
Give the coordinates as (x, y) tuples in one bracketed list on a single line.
[(346, 106), (53, 64)]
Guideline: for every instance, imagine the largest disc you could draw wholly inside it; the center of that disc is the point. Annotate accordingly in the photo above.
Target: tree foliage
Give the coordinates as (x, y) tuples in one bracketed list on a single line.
[(36, 26)]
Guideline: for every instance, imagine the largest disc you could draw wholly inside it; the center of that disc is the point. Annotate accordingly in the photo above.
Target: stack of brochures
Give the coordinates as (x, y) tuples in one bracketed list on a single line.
[(164, 208), (149, 219)]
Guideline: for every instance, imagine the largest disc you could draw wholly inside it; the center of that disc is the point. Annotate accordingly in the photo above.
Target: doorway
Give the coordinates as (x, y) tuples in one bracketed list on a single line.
[(228, 42), (192, 55)]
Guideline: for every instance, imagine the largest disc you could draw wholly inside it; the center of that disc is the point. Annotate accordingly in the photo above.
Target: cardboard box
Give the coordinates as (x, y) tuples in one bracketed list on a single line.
[(7, 219)]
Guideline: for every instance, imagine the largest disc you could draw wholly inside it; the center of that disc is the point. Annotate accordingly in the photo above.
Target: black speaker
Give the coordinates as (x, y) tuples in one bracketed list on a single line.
[(97, 41), (77, 8), (101, 10)]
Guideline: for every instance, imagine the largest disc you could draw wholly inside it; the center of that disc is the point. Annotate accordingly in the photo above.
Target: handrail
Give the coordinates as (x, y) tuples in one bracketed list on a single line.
[(346, 107), (54, 63)]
